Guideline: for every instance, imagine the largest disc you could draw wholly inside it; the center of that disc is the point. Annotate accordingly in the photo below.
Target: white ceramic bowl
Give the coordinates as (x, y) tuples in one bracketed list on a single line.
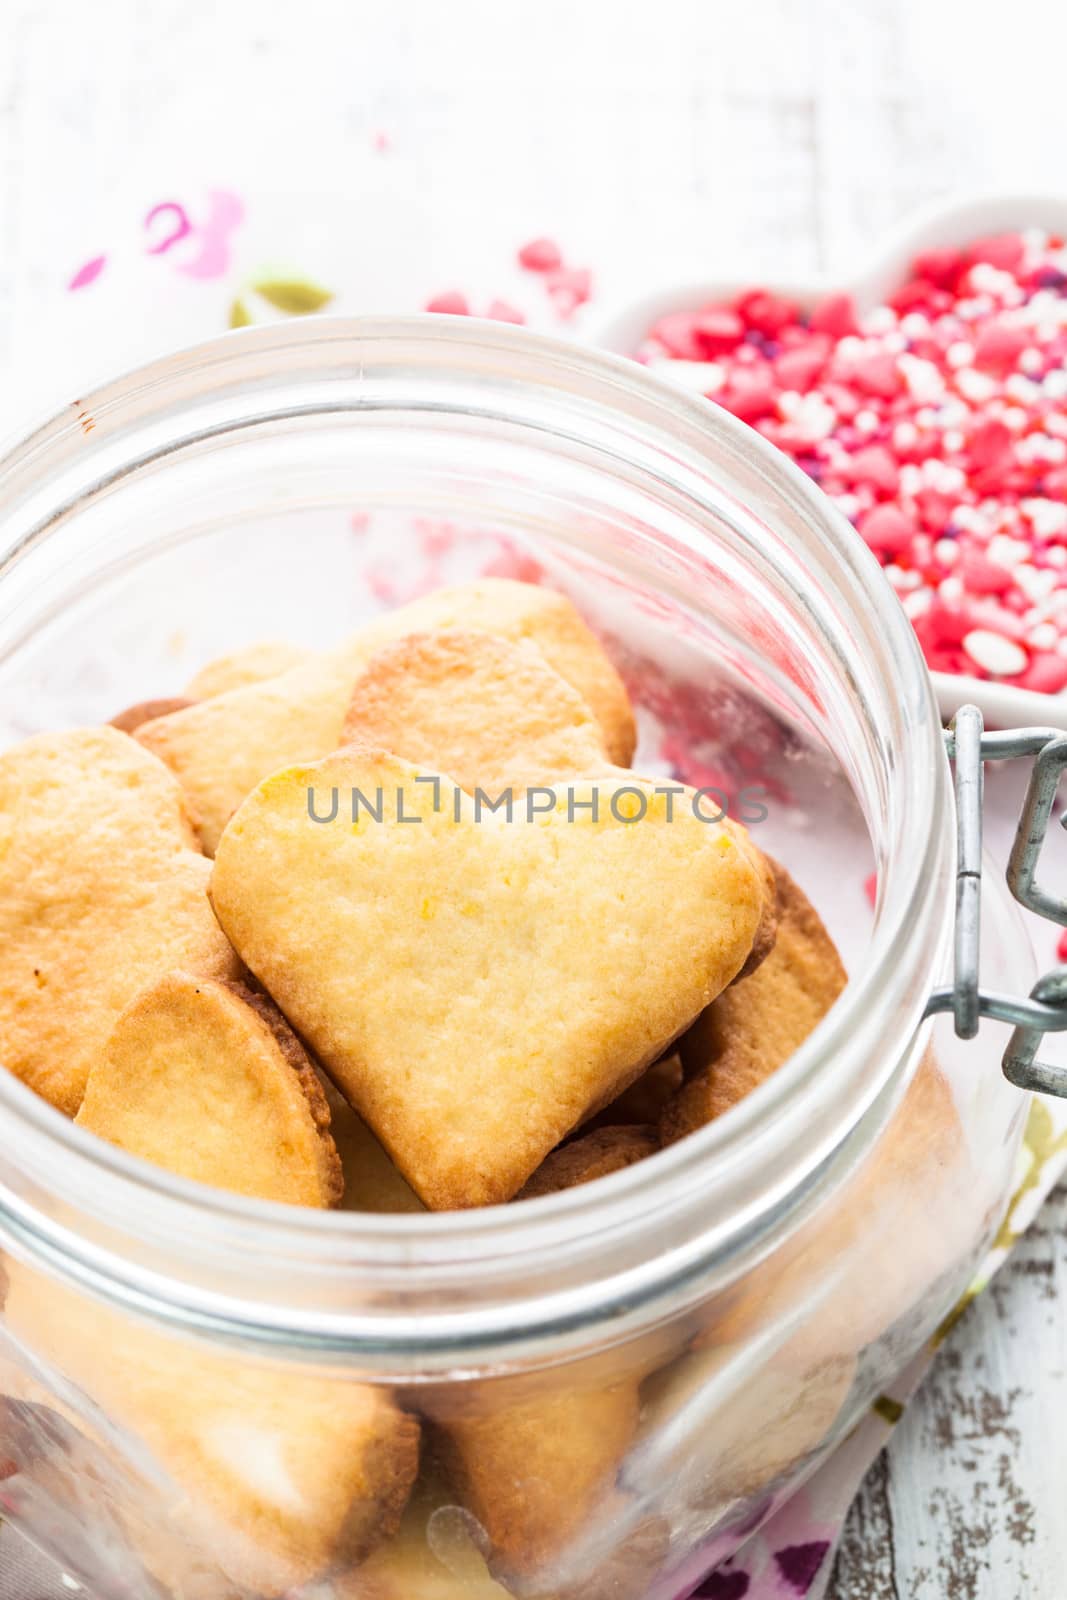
[(955, 223)]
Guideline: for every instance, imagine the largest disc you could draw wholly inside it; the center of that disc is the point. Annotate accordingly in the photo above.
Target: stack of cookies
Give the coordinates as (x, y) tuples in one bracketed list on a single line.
[(395, 927)]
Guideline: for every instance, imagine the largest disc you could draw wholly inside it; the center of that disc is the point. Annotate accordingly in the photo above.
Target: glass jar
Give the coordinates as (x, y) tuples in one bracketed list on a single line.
[(603, 1391)]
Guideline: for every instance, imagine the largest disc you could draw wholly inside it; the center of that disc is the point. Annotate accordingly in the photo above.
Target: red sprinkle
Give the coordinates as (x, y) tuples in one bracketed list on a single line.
[(875, 467), (999, 346), (940, 267), (878, 375), (750, 394), (982, 576), (677, 334), (717, 331), (836, 315), (1003, 250), (766, 313), (798, 368), (887, 530), (1061, 946)]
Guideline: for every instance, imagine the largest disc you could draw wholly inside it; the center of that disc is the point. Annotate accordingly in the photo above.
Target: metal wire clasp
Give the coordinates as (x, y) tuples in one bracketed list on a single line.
[(1045, 1011)]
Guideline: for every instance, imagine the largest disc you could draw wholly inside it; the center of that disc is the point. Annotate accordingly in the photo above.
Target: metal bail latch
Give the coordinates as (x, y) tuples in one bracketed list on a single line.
[(1045, 1011)]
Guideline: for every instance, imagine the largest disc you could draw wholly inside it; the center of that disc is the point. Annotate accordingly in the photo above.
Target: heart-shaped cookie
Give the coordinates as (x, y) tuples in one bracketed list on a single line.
[(846, 1264), (223, 747), (642, 1104), (277, 1473), (102, 890), (488, 711), (535, 1470), (752, 1029), (705, 1432), (534, 1473), (596, 1154), (478, 985), (208, 1080), (494, 715), (251, 663), (133, 717)]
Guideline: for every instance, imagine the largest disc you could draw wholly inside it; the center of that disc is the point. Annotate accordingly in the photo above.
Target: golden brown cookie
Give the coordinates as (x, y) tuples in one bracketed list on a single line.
[(644, 1100), (594, 1155), (538, 1469), (102, 890), (755, 1026), (252, 663), (709, 1440), (223, 747), (871, 1255), (495, 716), (534, 1474), (134, 717), (279, 1473), (208, 1080), (488, 711), (477, 987), (766, 870)]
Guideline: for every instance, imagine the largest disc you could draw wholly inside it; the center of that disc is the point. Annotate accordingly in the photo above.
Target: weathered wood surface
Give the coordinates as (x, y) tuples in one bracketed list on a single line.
[(781, 135)]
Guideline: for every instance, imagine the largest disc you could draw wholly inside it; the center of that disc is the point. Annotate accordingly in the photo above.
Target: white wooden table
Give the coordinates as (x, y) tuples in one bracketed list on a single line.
[(775, 134)]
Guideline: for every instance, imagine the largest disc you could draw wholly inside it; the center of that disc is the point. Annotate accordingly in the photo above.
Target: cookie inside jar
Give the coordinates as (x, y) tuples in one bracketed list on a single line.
[(469, 956), (440, 946)]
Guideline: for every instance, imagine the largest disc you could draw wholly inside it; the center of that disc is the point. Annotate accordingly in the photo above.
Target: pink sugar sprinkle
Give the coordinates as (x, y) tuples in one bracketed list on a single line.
[(541, 255), (1047, 673), (938, 421), (875, 467), (888, 531), (503, 311), (999, 346), (1061, 946), (511, 562), (569, 288), (1003, 250), (870, 889), (452, 302)]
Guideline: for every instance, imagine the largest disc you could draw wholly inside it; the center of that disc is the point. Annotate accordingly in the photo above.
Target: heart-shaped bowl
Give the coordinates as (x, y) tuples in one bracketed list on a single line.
[(954, 223)]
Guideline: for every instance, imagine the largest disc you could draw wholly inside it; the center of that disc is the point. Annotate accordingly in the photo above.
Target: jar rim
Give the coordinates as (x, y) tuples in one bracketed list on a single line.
[(829, 1084)]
